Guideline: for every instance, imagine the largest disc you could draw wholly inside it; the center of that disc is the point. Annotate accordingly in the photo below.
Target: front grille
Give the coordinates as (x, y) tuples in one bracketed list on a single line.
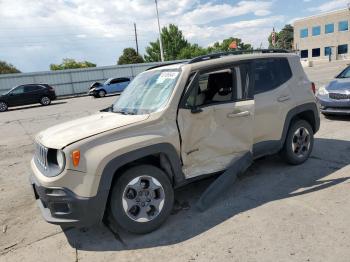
[(338, 96), (41, 155)]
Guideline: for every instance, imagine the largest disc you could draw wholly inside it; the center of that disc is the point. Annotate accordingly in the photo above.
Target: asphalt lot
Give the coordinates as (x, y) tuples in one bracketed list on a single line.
[(275, 212)]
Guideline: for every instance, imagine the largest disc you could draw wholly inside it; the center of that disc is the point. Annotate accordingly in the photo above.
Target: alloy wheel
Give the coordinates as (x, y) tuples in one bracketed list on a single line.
[(45, 100), (101, 93), (3, 106), (301, 142), (143, 198)]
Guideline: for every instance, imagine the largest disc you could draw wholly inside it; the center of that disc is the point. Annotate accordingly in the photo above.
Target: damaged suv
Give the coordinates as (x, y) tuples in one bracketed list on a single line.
[(172, 124)]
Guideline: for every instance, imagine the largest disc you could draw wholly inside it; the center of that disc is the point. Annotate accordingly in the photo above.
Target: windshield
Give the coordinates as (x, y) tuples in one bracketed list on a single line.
[(345, 73), (107, 81), (147, 93), (8, 91)]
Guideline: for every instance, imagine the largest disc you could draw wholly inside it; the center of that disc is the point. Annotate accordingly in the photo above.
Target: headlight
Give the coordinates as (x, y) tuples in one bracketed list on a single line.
[(60, 159), (322, 91)]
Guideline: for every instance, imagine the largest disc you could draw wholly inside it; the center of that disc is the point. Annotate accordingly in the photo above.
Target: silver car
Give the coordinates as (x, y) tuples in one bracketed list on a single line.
[(335, 97)]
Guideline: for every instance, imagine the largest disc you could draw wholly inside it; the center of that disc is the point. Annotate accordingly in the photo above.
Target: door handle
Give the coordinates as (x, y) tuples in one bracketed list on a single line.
[(283, 98), (240, 114)]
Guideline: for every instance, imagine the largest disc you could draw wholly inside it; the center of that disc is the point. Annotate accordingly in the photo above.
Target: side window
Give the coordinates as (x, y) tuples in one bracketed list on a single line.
[(114, 81), (18, 90), (244, 82), (213, 87), (227, 85), (270, 74), (122, 80), (31, 88)]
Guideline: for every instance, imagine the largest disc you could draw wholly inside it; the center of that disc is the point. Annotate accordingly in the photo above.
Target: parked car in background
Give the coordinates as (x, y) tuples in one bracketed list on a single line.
[(334, 98), (27, 94), (111, 86), (95, 84)]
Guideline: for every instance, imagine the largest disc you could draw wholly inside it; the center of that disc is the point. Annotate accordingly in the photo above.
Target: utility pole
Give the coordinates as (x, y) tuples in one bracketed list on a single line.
[(137, 44), (160, 35)]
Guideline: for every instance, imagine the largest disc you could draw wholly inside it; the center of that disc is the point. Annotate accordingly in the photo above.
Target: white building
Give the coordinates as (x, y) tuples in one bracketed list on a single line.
[(323, 36)]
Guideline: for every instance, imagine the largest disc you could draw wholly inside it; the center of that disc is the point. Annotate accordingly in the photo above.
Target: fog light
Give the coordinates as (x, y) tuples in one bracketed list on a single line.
[(60, 208), (55, 192)]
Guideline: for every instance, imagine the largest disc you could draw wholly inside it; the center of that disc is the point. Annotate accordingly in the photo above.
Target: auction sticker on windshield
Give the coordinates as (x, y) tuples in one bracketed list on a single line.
[(167, 75)]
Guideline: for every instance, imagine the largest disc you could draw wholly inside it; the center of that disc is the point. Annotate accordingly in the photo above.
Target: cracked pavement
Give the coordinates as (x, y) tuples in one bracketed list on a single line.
[(275, 212)]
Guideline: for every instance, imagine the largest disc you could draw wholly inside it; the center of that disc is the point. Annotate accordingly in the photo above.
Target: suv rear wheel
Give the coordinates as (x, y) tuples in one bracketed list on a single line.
[(142, 199), (45, 101), (3, 106), (299, 142)]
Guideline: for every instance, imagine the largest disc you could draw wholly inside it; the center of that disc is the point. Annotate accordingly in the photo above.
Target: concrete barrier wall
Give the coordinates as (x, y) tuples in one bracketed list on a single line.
[(73, 81)]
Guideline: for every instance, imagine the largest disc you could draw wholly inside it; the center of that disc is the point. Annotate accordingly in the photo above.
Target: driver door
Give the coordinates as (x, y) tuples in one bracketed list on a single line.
[(17, 97), (216, 118)]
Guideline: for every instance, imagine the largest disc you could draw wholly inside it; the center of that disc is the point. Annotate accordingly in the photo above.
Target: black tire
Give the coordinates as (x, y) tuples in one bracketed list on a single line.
[(119, 217), (45, 101), (101, 93), (3, 106), (296, 151)]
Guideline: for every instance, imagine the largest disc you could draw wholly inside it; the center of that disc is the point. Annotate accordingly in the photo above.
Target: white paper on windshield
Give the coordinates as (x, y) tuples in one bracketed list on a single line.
[(166, 76)]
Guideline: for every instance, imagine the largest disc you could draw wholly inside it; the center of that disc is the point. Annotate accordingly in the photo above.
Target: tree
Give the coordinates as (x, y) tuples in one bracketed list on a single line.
[(130, 56), (224, 45), (6, 68), (192, 51), (284, 38), (68, 63), (173, 42)]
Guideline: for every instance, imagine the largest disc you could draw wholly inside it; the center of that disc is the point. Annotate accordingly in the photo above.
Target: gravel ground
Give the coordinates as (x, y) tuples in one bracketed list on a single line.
[(275, 212)]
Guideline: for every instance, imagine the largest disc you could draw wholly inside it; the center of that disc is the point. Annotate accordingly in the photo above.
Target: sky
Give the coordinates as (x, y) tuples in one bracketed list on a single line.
[(37, 33)]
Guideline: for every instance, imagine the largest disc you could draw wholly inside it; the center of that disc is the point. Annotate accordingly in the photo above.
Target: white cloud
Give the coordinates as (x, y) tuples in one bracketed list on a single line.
[(330, 6), (36, 33), (250, 31)]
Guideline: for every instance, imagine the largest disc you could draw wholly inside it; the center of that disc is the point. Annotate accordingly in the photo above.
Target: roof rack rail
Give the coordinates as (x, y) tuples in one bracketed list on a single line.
[(238, 52), (161, 65)]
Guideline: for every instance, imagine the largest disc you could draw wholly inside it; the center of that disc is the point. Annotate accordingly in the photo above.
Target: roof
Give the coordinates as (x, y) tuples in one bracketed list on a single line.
[(322, 14), (224, 57)]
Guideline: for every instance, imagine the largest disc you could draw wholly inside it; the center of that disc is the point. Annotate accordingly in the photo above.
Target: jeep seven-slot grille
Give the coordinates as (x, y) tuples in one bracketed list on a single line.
[(41, 155), (338, 96)]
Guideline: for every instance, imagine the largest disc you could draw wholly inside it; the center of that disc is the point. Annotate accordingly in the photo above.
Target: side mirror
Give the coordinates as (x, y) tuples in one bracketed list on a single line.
[(108, 109), (196, 110)]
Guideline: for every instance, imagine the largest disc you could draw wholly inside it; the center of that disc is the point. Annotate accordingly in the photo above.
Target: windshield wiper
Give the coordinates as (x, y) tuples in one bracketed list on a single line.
[(124, 112)]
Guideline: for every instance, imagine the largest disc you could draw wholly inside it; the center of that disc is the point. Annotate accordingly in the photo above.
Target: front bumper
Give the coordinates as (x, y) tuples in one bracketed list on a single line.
[(61, 206), (333, 106), (92, 93)]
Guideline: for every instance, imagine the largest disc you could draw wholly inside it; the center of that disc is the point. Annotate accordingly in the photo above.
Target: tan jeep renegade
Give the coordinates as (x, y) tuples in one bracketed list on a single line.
[(172, 124)]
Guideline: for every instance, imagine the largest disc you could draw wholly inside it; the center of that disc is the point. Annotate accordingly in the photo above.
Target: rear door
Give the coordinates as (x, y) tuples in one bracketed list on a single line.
[(215, 119), (113, 85), (273, 99), (123, 83), (33, 93)]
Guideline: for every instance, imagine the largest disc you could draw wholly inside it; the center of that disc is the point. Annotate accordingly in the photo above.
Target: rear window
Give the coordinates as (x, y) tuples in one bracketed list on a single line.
[(270, 74), (119, 80)]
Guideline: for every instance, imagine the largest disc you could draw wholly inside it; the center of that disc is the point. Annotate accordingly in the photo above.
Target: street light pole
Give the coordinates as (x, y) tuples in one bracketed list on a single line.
[(160, 35)]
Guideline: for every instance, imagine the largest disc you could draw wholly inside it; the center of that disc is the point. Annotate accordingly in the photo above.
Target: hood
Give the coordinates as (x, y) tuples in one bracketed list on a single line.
[(67, 133), (339, 84)]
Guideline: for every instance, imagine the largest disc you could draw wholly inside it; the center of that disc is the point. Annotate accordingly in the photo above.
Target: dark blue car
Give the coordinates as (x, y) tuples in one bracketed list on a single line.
[(111, 86)]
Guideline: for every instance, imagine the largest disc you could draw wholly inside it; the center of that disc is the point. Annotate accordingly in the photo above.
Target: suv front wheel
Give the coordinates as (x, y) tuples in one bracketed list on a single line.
[(299, 142), (3, 106), (142, 199)]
